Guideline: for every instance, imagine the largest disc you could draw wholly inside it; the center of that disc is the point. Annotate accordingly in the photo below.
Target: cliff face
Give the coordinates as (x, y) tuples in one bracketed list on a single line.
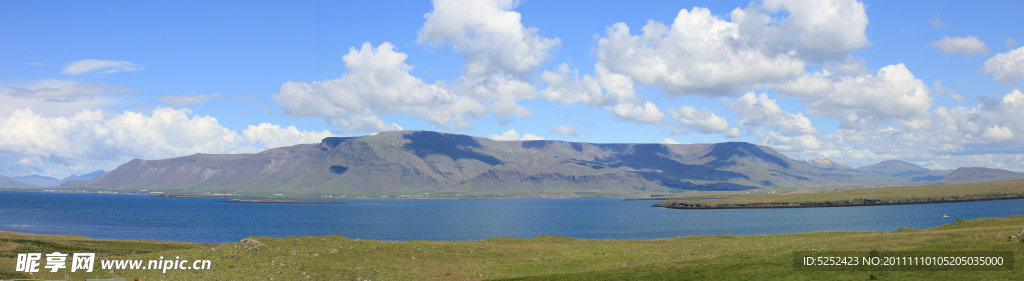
[(406, 162)]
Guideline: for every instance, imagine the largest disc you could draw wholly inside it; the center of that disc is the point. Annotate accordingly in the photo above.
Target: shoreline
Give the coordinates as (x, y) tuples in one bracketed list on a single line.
[(677, 204)]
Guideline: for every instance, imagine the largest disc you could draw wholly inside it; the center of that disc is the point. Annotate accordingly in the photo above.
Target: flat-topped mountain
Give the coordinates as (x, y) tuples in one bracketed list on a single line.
[(410, 162)]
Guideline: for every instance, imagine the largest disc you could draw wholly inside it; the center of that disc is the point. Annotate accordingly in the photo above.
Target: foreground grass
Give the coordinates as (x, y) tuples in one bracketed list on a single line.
[(542, 258), (893, 194)]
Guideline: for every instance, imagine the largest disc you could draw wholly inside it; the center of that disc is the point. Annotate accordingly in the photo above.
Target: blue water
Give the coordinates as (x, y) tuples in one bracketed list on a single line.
[(208, 220)]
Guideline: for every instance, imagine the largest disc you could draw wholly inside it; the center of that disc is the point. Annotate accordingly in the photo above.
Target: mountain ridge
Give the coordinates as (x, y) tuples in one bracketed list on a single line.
[(416, 162)]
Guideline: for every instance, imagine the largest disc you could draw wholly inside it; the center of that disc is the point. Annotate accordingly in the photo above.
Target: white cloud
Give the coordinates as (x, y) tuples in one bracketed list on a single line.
[(768, 42), (1010, 42), (566, 87), (696, 55), (893, 95), (936, 23), (57, 97), (1006, 67), (969, 45), (92, 139), (790, 143), (645, 113), (500, 57), (983, 135), (103, 66), (564, 130), (194, 99), (489, 33), (669, 141), (702, 120), (268, 135), (733, 133), (998, 133), (815, 31), (377, 83), (612, 91), (61, 90), (511, 134), (759, 110)]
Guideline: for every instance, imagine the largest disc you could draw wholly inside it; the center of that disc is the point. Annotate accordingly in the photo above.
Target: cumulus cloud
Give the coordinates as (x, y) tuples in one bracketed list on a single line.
[(669, 141), (969, 45), (102, 66), (767, 42), (511, 134), (759, 110), (790, 143), (987, 134), (1006, 67), (998, 133), (92, 139), (194, 99), (377, 83), (564, 130), (702, 120), (489, 34), (269, 135), (1010, 42), (643, 113), (612, 91), (500, 56), (893, 95)]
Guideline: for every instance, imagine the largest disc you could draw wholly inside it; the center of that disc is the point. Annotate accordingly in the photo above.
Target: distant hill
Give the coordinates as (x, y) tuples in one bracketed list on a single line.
[(9, 182), (84, 177), (415, 162), (904, 170), (978, 174), (40, 181)]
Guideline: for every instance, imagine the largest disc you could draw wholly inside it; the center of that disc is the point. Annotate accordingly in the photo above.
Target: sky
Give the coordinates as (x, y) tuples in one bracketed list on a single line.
[(87, 86)]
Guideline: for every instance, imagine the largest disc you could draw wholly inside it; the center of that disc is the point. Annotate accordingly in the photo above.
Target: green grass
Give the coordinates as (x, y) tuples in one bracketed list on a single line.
[(894, 193), (758, 257)]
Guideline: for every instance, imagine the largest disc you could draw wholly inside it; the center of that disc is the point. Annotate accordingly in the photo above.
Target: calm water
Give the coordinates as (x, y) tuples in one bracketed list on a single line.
[(207, 220)]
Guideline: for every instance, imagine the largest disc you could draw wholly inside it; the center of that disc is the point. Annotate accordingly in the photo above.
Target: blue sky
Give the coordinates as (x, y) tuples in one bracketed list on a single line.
[(86, 86)]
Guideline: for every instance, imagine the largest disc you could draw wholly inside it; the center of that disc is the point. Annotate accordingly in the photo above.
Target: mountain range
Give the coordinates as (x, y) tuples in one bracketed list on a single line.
[(37, 181), (422, 162)]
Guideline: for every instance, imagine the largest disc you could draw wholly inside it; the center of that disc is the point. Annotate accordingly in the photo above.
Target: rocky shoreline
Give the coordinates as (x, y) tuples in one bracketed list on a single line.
[(680, 204)]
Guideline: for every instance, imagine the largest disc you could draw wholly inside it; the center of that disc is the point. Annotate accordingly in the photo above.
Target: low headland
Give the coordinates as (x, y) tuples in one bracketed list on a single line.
[(894, 195), (279, 201)]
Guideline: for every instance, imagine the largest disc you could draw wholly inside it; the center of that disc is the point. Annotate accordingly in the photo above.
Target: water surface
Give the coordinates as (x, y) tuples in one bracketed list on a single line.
[(208, 220)]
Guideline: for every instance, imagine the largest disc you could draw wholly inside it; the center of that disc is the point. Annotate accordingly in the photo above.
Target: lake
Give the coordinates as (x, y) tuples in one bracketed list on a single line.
[(208, 220)]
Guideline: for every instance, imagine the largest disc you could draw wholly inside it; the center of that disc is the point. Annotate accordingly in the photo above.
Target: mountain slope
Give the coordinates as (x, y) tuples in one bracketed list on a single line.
[(410, 162)]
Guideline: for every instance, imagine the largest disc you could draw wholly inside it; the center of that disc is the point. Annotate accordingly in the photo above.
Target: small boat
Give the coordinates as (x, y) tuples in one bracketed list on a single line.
[(945, 216)]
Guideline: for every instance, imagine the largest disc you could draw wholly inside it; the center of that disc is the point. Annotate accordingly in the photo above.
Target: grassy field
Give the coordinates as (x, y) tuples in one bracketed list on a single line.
[(953, 192), (761, 257)]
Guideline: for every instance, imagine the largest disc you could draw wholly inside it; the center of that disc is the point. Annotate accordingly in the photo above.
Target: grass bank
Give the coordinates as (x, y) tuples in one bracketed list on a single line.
[(761, 257), (863, 197)]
